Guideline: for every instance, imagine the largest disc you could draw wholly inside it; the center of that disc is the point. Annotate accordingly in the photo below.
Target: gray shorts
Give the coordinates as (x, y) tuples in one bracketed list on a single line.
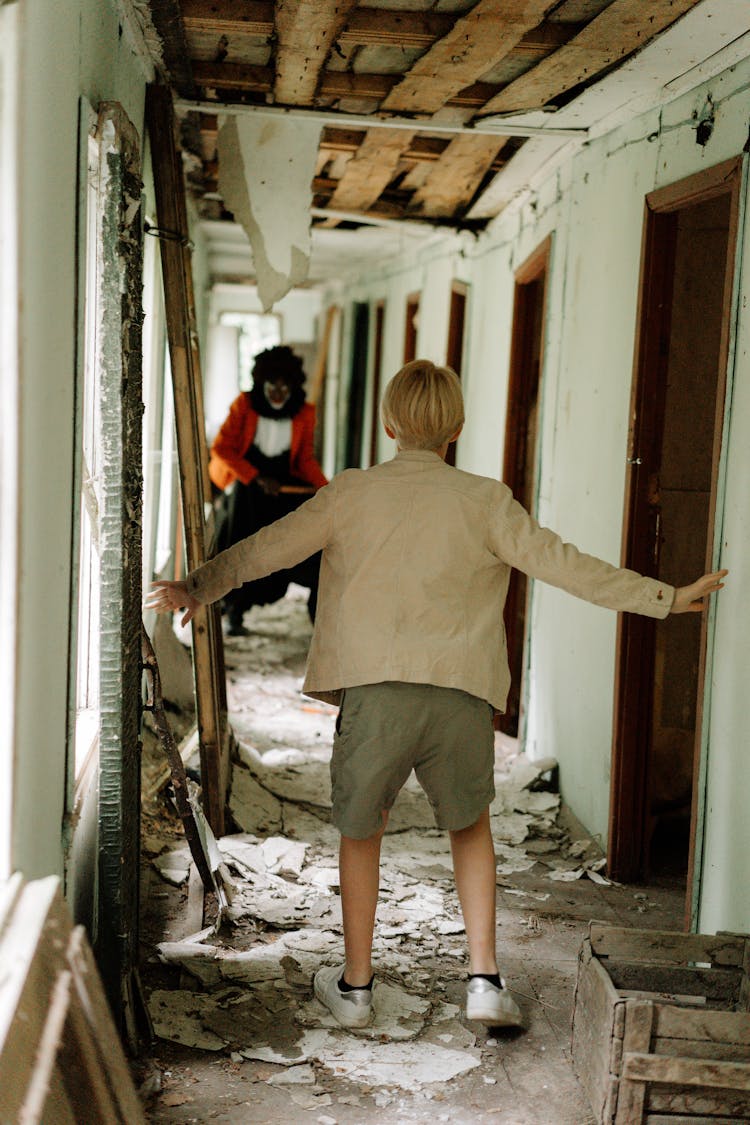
[(384, 731)]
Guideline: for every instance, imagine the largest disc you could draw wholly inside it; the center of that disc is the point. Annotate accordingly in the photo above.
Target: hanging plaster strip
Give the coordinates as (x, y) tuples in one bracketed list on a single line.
[(266, 169)]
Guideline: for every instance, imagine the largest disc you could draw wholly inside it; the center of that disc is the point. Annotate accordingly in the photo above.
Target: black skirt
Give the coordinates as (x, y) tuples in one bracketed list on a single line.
[(245, 510)]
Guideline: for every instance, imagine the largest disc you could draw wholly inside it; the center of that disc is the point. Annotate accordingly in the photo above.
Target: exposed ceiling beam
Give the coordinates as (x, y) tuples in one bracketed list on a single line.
[(623, 27), (333, 83), (454, 180), (371, 121), (305, 31), (476, 42), (367, 27), (371, 169)]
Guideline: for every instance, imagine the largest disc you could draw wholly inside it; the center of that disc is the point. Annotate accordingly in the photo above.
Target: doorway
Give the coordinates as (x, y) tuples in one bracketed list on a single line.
[(454, 353), (520, 452), (677, 416)]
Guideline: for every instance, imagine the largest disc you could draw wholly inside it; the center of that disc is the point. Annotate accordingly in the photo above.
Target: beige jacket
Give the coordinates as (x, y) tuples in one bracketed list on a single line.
[(416, 562)]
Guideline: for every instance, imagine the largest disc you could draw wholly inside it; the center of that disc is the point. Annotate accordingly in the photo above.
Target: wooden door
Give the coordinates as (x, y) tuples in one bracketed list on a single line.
[(677, 419), (377, 364), (520, 450), (455, 349), (411, 328)]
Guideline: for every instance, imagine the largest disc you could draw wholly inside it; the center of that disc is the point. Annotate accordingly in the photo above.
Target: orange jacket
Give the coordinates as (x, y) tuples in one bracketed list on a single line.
[(236, 436)]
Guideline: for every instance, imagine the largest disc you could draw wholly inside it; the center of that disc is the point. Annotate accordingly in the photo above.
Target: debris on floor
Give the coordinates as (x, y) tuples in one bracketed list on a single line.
[(241, 991)]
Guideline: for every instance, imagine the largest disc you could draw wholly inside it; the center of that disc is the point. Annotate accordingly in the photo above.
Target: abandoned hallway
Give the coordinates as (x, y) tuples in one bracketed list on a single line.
[(241, 1038)]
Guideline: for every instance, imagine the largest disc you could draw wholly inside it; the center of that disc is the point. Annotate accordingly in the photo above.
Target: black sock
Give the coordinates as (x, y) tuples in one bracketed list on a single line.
[(493, 978), (344, 987)]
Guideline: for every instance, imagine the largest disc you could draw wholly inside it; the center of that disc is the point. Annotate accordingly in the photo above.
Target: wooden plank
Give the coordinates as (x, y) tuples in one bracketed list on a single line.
[(305, 33), (665, 946), (183, 349), (476, 42), (26, 982), (711, 1102), (57, 1109), (594, 1004), (371, 169), (639, 1018), (714, 984), (333, 84), (622, 28), (700, 1049), (713, 1027), (45, 1056), (640, 1067), (681, 1119), (453, 182), (84, 1069), (90, 995), (366, 27)]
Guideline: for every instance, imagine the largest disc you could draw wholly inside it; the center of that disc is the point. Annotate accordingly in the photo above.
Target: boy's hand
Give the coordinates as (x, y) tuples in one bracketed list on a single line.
[(690, 599), (165, 597)]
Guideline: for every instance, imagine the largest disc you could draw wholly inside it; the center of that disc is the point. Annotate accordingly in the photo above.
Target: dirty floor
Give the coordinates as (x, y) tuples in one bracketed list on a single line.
[(240, 1036)]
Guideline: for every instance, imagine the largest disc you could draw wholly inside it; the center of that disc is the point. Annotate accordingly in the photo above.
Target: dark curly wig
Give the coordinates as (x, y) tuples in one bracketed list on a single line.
[(269, 365)]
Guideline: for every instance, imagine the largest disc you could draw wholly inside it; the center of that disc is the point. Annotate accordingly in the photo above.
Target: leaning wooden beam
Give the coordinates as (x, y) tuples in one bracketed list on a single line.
[(452, 182), (305, 30), (371, 169), (475, 43), (623, 27), (176, 268)]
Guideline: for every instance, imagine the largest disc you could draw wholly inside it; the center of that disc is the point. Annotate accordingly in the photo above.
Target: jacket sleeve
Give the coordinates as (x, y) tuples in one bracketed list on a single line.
[(305, 465), (278, 546), (519, 540), (230, 446)]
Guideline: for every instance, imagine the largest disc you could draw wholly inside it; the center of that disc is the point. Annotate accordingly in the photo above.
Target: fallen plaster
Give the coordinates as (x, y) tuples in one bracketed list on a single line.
[(266, 168)]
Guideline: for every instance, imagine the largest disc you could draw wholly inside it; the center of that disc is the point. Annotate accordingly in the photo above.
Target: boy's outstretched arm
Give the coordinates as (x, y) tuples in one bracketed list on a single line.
[(166, 597), (690, 599)]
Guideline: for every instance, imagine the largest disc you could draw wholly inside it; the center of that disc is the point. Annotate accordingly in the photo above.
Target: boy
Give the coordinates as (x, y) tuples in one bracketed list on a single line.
[(409, 641)]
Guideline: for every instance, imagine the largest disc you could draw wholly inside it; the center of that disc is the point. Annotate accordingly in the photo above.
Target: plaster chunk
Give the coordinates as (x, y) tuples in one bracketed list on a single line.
[(252, 806), (266, 167)]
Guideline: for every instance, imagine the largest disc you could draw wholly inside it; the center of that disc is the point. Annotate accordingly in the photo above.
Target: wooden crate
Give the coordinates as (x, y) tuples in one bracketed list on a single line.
[(61, 1061), (661, 1026)]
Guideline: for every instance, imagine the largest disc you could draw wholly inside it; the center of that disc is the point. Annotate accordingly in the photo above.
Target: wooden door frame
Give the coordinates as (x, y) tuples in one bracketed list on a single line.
[(530, 270), (634, 646), (377, 375), (411, 334)]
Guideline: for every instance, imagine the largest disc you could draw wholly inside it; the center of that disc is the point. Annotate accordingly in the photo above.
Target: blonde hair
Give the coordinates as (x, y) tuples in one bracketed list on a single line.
[(423, 405)]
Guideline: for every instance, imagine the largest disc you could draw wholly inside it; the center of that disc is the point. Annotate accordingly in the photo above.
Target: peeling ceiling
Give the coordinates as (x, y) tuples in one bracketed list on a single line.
[(425, 105)]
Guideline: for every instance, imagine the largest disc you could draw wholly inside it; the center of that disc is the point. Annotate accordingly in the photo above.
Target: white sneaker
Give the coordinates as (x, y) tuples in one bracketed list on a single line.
[(350, 1009), (486, 1003)]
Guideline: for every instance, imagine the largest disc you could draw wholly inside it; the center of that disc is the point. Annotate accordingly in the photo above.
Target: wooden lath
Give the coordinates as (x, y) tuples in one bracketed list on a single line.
[(334, 84), (305, 30), (475, 43), (454, 180), (623, 27), (371, 169), (365, 26)]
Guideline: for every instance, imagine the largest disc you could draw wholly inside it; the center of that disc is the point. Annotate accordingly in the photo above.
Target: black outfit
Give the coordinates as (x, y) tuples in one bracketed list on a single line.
[(246, 510)]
